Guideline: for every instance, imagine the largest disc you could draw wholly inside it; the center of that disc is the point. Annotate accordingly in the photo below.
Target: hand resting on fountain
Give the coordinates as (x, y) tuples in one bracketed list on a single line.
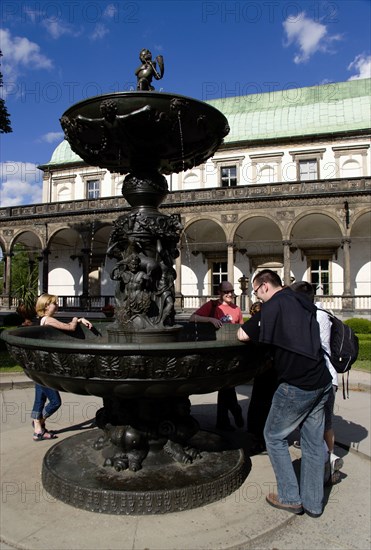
[(202, 319)]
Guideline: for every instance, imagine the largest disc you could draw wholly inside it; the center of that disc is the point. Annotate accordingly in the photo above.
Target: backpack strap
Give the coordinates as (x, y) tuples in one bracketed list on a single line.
[(346, 391)]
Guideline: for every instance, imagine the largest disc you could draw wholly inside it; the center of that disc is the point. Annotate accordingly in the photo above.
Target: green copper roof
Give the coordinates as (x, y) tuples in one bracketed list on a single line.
[(63, 154), (336, 107)]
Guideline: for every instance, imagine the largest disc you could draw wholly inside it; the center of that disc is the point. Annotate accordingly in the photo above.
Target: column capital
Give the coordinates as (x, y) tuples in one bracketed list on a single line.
[(346, 240)]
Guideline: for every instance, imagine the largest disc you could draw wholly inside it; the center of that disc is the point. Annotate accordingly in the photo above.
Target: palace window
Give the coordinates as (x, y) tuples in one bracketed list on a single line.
[(308, 170), (320, 276), (228, 176), (228, 170), (219, 274), (93, 189), (307, 164)]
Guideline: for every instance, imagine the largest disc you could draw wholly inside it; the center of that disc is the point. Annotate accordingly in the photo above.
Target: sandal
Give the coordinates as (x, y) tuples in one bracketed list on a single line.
[(43, 435), (44, 429)]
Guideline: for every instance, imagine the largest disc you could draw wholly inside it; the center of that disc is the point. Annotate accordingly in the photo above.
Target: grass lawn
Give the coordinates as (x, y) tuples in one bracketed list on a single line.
[(362, 365), (8, 364)]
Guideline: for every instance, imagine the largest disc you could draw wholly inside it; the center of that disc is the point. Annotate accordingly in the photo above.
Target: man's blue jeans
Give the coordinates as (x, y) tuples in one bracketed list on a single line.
[(291, 408), (42, 394)]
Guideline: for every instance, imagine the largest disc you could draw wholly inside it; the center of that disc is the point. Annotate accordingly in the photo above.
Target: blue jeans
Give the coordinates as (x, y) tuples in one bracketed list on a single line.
[(291, 408), (39, 410)]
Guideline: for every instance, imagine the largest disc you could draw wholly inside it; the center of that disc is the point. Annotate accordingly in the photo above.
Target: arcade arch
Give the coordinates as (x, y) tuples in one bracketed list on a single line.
[(259, 239), (204, 260), (316, 254)]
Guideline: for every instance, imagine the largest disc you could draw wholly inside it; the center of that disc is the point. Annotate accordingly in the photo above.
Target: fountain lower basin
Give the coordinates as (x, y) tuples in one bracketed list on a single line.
[(84, 363), (149, 455)]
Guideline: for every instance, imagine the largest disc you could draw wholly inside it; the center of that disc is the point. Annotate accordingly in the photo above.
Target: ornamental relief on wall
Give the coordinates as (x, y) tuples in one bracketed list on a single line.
[(229, 218)]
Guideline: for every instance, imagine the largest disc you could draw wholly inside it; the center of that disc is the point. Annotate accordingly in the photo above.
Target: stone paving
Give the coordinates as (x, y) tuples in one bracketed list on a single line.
[(32, 520)]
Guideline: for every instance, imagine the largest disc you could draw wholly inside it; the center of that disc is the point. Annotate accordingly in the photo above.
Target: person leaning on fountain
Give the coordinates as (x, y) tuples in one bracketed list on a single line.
[(218, 312), (46, 308), (287, 322)]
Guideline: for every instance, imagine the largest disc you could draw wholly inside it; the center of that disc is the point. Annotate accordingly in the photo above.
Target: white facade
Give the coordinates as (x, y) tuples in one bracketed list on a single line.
[(289, 189)]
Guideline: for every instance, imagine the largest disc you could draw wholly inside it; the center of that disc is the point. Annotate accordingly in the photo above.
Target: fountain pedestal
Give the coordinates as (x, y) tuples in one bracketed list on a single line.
[(73, 472)]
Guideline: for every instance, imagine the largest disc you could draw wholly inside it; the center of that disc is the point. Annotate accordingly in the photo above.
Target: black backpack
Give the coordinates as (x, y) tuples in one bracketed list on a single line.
[(344, 347)]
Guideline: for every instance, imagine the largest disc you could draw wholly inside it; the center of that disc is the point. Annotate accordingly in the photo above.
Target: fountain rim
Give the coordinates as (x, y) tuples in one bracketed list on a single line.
[(91, 346), (138, 94)]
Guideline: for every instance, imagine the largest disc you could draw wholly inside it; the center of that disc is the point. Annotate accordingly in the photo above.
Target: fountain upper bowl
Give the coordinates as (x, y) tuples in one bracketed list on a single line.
[(123, 131)]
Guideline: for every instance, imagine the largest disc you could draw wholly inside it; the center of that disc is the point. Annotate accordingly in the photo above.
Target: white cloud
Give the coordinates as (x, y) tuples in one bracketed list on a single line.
[(52, 137), (99, 32), (100, 29), (21, 51), (362, 64), (53, 24), (19, 54), (110, 11), (21, 183), (57, 28), (308, 35)]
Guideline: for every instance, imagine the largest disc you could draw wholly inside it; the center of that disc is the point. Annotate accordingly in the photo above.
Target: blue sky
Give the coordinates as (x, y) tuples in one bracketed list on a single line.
[(58, 53)]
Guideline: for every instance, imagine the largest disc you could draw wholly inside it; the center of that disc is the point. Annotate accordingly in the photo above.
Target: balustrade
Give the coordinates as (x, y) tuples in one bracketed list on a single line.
[(188, 304)]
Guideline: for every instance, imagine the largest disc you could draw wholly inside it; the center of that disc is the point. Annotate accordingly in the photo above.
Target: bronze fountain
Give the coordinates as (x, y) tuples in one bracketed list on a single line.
[(150, 455)]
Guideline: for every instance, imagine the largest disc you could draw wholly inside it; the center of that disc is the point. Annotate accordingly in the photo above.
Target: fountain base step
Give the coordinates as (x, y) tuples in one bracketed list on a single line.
[(73, 473)]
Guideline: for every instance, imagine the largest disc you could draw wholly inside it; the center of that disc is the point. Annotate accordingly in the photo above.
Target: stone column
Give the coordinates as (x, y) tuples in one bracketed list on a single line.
[(7, 291), (347, 293), (45, 270), (85, 276), (230, 262), (178, 283), (286, 262)]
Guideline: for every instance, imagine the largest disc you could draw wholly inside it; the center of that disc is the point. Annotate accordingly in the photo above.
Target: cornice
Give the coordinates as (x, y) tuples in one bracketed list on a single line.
[(182, 201)]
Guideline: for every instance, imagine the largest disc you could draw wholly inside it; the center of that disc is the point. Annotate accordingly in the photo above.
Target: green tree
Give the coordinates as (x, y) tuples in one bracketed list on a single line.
[(24, 277), (5, 126)]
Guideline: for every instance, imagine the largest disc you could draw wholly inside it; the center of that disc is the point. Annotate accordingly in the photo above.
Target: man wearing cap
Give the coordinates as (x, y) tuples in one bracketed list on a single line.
[(218, 312)]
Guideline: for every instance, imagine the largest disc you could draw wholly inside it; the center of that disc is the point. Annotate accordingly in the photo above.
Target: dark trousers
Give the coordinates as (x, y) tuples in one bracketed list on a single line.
[(263, 389), (227, 401)]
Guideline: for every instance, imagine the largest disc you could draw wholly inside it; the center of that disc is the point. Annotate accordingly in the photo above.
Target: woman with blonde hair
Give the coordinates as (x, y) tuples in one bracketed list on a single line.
[(46, 307)]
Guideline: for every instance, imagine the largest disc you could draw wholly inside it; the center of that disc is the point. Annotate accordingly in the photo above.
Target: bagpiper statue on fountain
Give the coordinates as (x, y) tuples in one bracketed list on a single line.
[(148, 70)]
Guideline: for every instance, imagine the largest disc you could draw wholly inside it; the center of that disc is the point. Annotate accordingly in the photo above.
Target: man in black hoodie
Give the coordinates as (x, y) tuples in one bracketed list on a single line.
[(287, 321)]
